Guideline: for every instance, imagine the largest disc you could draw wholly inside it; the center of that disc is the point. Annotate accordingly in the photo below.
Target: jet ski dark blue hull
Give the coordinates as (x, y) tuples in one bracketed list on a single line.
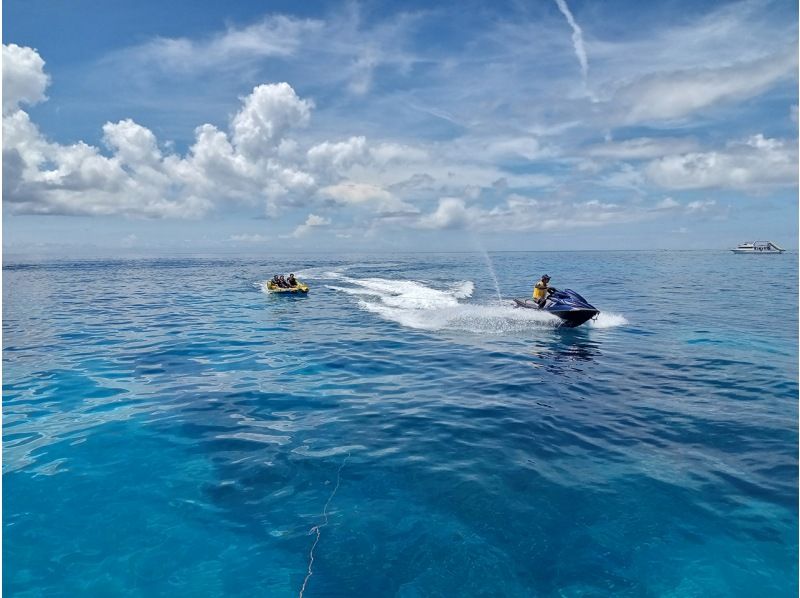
[(571, 308), (574, 317)]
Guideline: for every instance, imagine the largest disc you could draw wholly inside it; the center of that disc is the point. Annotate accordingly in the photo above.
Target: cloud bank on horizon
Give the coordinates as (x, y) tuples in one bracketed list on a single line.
[(492, 131)]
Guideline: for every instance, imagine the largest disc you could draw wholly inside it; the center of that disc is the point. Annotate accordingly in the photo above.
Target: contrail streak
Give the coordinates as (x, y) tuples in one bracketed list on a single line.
[(577, 38)]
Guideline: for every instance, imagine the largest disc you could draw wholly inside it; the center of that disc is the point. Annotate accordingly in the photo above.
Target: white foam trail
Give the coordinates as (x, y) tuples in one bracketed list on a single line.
[(409, 294), (416, 305), (482, 319), (324, 273), (316, 529), (349, 290), (577, 38), (608, 320), (413, 304)]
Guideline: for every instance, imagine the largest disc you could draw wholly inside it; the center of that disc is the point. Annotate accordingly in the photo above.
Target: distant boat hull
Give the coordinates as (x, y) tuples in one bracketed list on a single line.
[(758, 248)]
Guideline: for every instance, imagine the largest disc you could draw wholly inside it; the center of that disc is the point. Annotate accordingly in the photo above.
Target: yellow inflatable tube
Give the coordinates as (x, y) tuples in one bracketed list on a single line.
[(300, 288)]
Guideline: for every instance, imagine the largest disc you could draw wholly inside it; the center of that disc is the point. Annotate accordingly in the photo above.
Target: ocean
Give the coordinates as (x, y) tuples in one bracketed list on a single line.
[(171, 429)]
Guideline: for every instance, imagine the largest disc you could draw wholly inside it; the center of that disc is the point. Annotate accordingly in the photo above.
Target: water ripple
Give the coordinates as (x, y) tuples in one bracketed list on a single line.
[(492, 453)]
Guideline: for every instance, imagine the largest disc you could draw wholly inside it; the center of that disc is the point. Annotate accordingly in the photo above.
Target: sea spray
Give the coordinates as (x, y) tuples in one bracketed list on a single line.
[(415, 305), (492, 272), (489, 266)]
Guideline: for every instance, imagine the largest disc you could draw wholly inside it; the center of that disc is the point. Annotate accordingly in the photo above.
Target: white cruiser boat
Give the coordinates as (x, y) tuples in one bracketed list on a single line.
[(758, 247)]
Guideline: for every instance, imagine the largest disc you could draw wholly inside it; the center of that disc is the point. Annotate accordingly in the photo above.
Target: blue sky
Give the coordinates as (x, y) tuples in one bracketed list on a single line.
[(381, 126)]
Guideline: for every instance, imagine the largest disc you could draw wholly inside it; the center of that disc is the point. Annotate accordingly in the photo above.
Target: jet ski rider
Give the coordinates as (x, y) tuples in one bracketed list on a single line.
[(541, 291)]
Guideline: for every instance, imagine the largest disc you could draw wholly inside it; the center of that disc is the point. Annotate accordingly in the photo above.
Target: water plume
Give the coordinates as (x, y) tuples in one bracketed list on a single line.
[(489, 266), (493, 273)]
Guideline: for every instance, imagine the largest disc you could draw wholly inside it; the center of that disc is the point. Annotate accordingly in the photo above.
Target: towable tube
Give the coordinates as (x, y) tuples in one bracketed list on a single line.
[(300, 288)]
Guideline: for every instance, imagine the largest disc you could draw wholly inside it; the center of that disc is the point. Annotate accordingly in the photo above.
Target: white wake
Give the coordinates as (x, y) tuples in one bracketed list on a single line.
[(422, 306)]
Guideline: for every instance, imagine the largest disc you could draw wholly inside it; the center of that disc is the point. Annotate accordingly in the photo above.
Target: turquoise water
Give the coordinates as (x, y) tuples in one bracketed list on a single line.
[(172, 430)]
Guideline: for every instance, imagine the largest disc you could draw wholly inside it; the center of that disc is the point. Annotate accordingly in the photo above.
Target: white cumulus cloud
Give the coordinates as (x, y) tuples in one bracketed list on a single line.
[(452, 212), (338, 157), (133, 144), (268, 113), (253, 162), (312, 222), (756, 163), (135, 177), (24, 79), (524, 214), (363, 194)]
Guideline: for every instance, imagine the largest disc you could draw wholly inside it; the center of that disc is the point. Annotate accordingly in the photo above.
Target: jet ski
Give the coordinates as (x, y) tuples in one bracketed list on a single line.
[(573, 309)]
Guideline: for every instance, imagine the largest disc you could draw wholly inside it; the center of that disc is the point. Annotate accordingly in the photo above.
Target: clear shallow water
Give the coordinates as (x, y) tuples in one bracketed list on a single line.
[(170, 429)]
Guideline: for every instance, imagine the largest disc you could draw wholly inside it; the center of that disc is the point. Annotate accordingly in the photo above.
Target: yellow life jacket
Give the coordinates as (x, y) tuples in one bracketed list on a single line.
[(539, 291)]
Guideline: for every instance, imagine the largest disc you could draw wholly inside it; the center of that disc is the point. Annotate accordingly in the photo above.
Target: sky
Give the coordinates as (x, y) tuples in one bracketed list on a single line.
[(258, 127)]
